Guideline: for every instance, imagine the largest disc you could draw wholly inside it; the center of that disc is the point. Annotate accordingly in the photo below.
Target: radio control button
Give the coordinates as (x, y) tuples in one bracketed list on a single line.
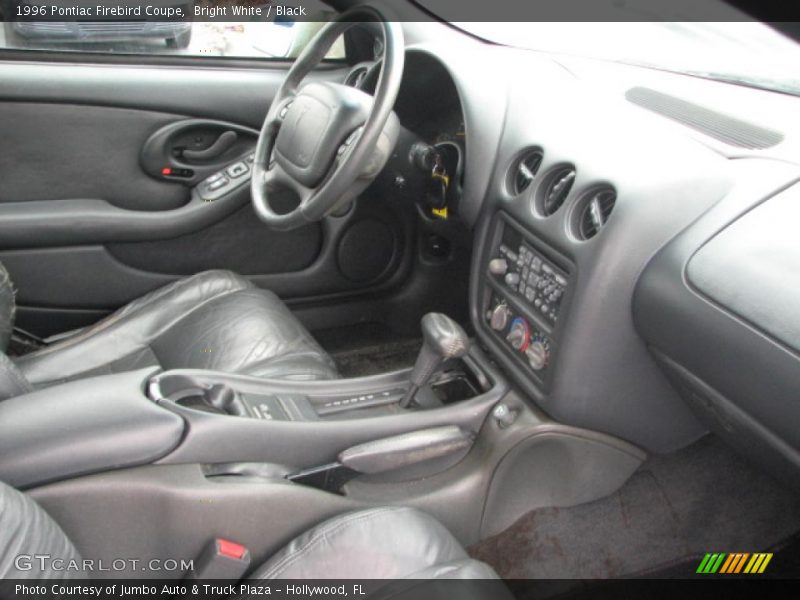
[(498, 266)]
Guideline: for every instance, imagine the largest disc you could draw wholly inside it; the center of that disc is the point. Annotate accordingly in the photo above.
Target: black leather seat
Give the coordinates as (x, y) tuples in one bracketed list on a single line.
[(213, 320), (378, 543)]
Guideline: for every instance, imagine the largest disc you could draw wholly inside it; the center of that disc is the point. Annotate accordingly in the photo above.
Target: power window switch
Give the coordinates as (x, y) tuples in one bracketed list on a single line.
[(218, 184), (237, 170)]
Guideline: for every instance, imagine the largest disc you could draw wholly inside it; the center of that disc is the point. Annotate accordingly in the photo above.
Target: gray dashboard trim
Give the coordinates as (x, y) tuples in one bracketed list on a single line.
[(753, 267), (740, 379)]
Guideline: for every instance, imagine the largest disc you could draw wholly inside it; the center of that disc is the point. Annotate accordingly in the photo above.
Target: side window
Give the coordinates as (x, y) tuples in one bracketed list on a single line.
[(207, 28)]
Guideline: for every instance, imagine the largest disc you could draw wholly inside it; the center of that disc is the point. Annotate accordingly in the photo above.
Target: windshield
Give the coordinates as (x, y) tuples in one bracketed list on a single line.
[(748, 53)]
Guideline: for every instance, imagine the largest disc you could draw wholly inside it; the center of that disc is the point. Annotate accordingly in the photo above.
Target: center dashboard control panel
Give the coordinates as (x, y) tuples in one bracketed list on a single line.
[(523, 297), (525, 271), (227, 180)]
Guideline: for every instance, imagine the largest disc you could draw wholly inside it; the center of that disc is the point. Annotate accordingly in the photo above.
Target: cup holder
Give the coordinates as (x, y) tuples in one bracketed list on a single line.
[(456, 385), (218, 399)]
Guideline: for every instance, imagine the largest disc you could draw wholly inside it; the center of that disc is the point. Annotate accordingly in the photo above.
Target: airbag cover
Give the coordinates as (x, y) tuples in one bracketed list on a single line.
[(752, 267)]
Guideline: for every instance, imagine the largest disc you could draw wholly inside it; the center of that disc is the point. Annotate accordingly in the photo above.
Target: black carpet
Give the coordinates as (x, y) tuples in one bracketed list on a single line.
[(377, 358), (674, 509), (368, 349)]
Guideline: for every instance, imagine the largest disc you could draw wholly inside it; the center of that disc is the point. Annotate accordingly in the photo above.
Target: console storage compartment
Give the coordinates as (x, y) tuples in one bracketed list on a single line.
[(81, 427)]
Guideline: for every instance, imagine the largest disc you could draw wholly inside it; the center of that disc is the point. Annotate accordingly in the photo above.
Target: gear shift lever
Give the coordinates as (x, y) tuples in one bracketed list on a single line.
[(443, 339)]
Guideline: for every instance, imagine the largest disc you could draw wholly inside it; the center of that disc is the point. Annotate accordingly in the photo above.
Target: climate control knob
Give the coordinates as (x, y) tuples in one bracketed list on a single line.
[(498, 318), (538, 355), (519, 336)]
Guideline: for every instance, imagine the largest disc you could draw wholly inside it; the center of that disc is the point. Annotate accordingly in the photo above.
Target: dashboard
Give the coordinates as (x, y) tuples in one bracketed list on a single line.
[(591, 189)]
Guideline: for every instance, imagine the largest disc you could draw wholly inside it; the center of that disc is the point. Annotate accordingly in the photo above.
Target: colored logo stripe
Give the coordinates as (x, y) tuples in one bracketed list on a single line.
[(758, 563), (734, 563), (711, 563)]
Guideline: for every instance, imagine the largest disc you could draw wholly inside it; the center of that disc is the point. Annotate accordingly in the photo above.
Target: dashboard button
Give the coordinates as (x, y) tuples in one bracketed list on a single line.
[(237, 170), (218, 184), (498, 266)]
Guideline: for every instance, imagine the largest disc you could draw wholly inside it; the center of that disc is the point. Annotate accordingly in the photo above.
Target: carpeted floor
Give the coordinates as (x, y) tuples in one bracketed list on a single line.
[(368, 349), (377, 358), (675, 508)]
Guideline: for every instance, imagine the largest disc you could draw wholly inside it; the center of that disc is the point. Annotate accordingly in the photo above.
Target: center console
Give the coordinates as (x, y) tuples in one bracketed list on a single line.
[(524, 288), (144, 417), (306, 424), (220, 394), (206, 453)]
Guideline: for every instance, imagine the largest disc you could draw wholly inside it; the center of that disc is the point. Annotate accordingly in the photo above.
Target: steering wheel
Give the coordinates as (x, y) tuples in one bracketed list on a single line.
[(327, 141)]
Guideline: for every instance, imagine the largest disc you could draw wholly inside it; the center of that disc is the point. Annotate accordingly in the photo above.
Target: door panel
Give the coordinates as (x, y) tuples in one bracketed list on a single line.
[(237, 242), (65, 151), (189, 150), (67, 287), (88, 220), (226, 94)]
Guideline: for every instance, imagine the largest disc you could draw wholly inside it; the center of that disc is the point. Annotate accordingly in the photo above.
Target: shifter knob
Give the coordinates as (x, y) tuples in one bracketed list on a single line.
[(443, 339)]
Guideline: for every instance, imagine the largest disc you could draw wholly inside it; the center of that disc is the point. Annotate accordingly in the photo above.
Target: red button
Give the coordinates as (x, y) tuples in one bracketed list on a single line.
[(230, 549), (166, 171)]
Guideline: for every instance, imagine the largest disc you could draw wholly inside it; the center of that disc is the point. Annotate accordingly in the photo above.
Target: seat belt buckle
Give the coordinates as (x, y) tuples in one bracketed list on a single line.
[(221, 559)]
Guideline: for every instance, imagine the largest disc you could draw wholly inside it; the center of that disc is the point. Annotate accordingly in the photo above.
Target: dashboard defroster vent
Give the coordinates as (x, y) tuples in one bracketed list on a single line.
[(555, 189), (593, 212), (523, 171), (722, 127)]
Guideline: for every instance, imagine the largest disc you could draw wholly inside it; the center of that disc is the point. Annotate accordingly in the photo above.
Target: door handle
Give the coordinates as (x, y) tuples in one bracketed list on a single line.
[(223, 143), (175, 147)]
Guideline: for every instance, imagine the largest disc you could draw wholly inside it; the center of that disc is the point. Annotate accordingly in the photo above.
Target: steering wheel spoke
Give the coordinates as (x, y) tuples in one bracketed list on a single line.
[(276, 178), (278, 110), (310, 129)]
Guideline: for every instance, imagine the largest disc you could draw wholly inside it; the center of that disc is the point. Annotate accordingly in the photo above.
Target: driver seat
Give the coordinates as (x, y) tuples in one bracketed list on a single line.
[(214, 320)]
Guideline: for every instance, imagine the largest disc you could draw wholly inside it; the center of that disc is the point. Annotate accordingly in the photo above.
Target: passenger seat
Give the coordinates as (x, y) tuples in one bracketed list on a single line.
[(378, 543)]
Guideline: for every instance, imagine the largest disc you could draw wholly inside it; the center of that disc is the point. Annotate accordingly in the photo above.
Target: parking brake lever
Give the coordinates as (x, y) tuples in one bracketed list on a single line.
[(386, 455)]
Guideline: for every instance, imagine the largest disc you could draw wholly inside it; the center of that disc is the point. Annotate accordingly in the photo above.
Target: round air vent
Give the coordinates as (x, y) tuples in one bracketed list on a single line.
[(594, 210), (523, 171), (554, 189)]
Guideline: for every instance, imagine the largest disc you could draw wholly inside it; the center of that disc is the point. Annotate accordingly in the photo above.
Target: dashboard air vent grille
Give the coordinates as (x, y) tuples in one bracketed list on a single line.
[(722, 127), (595, 211), (524, 170), (555, 190)]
